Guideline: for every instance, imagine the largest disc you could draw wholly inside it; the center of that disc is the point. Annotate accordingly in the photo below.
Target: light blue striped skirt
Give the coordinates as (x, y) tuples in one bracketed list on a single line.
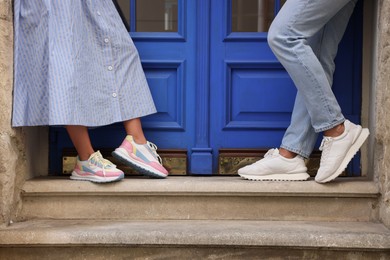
[(75, 64)]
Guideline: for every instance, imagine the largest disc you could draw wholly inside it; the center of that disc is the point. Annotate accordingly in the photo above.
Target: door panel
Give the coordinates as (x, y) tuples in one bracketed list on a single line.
[(252, 93), (164, 34), (255, 94), (167, 51)]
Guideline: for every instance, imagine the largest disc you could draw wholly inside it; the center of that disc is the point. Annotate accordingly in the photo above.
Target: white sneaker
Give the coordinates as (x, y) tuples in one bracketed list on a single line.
[(276, 167), (96, 169), (338, 151), (141, 157)]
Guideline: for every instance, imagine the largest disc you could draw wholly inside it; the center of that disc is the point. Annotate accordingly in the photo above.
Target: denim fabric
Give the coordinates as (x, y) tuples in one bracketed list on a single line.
[(304, 37)]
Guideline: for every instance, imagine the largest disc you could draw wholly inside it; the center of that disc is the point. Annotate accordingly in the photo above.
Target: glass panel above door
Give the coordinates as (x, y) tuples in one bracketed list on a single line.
[(252, 15), (149, 15), (156, 15)]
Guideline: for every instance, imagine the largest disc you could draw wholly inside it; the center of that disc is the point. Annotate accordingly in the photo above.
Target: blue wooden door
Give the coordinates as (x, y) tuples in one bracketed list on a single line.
[(214, 80), (164, 34), (252, 96)]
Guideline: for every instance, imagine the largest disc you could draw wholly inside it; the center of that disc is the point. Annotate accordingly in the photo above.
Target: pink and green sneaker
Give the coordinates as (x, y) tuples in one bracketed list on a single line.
[(96, 169), (141, 157)]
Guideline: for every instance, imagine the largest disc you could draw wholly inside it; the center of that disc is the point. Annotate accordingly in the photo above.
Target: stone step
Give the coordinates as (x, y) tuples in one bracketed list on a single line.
[(197, 198), (194, 239)]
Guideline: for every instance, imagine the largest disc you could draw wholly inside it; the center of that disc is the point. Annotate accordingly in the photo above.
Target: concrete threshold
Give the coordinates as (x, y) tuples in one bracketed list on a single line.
[(199, 198), (341, 187)]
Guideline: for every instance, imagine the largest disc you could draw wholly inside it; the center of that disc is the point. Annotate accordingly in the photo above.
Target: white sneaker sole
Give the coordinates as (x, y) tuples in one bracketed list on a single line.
[(96, 179), (142, 168), (348, 157), (278, 177)]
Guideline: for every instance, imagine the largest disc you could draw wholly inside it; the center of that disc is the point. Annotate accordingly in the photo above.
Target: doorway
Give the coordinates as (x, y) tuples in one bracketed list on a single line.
[(222, 97)]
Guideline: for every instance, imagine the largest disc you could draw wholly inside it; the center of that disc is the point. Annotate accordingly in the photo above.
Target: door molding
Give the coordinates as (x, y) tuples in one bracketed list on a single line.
[(201, 156)]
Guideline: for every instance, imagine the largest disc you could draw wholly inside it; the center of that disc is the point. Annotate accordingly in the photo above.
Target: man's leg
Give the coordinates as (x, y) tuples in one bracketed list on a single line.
[(289, 37), (300, 136)]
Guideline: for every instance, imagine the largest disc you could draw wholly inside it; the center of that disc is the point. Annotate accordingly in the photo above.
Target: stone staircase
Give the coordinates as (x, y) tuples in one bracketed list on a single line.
[(197, 218)]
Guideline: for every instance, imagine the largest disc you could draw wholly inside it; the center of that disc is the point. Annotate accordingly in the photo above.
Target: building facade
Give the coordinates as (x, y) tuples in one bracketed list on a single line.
[(20, 161)]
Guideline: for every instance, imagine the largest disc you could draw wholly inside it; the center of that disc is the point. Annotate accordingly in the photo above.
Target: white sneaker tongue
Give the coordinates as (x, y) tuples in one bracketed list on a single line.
[(272, 152)]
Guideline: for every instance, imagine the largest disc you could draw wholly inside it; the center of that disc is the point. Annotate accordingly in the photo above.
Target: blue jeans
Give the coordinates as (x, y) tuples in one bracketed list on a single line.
[(304, 37)]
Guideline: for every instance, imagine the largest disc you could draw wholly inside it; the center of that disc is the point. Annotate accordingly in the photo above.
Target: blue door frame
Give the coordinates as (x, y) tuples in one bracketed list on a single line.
[(215, 89)]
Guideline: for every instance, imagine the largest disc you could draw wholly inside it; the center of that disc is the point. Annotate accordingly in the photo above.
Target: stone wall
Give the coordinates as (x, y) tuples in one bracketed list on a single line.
[(12, 164), (382, 135)]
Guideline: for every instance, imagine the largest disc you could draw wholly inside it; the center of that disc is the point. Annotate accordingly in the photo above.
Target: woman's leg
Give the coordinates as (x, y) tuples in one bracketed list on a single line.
[(81, 141), (90, 168), (133, 127)]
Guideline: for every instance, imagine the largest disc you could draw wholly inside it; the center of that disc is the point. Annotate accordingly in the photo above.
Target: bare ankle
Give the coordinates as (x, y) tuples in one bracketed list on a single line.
[(139, 140), (287, 154), (85, 156)]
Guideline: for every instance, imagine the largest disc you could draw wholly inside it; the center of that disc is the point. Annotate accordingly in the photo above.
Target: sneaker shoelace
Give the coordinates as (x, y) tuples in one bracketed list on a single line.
[(153, 148), (271, 153), (325, 147), (98, 160)]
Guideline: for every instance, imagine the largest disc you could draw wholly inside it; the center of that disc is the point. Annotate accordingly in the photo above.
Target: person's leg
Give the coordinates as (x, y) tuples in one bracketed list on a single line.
[(90, 165), (300, 136), (138, 153), (289, 36), (134, 128), (81, 141)]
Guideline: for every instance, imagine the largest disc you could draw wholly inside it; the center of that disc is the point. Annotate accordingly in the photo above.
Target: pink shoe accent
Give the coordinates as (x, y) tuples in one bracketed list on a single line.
[(77, 168), (142, 157), (155, 165), (127, 146), (79, 171), (159, 167)]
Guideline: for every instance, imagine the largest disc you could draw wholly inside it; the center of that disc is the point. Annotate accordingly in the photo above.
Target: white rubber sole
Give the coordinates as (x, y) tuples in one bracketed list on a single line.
[(142, 168), (348, 157), (95, 179), (278, 177)]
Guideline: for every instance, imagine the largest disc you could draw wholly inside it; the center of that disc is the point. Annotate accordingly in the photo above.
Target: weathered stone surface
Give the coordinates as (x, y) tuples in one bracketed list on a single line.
[(189, 198), (180, 253), (6, 10), (195, 240), (6, 69), (336, 235), (11, 141), (382, 151)]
